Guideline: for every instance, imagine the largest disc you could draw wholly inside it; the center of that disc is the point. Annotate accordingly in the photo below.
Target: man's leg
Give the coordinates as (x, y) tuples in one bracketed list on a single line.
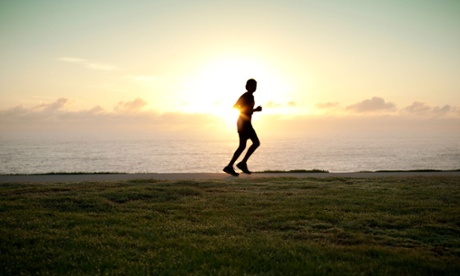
[(239, 150), (229, 168), (252, 148)]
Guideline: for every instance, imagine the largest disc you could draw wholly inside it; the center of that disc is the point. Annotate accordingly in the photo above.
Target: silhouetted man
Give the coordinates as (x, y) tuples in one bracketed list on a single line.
[(245, 130)]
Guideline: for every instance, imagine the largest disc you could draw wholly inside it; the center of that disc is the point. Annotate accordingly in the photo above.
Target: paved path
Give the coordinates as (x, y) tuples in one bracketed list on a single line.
[(60, 178)]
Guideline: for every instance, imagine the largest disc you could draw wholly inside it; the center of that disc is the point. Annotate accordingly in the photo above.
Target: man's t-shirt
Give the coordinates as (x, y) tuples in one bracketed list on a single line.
[(246, 106)]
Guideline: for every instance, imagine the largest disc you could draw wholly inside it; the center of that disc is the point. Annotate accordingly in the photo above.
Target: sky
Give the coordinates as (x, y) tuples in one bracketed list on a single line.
[(147, 66)]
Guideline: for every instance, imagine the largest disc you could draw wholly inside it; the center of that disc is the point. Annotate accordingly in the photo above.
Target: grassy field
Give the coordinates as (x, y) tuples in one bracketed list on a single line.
[(240, 226)]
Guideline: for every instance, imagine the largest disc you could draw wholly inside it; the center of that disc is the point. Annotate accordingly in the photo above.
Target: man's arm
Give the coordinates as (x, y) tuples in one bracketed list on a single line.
[(237, 105), (259, 108)]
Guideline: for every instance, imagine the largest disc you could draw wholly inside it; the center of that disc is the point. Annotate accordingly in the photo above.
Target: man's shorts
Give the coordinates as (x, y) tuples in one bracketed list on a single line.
[(245, 129)]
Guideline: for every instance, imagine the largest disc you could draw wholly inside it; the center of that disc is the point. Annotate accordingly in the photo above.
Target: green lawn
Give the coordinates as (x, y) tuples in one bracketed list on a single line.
[(239, 226)]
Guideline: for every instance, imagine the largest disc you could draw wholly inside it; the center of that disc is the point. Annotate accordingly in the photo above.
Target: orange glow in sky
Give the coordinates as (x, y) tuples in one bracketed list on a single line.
[(356, 59)]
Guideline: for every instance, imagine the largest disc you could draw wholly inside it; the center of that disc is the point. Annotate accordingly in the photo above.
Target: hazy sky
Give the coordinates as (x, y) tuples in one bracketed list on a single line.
[(167, 64)]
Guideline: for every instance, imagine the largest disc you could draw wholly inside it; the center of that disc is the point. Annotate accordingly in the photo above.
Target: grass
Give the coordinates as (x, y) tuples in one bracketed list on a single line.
[(63, 173), (421, 170), (294, 171), (336, 226)]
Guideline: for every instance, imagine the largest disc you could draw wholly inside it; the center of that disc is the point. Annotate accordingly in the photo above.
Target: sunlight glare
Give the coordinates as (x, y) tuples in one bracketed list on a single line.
[(217, 85)]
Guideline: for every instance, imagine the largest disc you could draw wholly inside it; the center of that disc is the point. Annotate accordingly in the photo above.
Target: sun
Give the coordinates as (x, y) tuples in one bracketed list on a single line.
[(226, 114), (217, 84)]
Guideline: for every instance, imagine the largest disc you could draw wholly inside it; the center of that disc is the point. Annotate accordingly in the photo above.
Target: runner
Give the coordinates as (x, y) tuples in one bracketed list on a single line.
[(245, 130)]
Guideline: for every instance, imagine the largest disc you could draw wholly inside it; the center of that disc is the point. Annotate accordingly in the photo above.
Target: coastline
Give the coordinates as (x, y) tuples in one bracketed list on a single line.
[(86, 177)]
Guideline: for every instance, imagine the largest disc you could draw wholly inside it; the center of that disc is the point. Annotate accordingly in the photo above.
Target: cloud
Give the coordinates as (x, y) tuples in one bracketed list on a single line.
[(89, 65), (133, 117), (376, 104), (422, 109), (327, 105), (56, 111), (37, 112), (14, 112), (96, 110), (272, 104), (133, 106), (277, 125), (54, 106), (418, 108), (443, 110), (125, 118)]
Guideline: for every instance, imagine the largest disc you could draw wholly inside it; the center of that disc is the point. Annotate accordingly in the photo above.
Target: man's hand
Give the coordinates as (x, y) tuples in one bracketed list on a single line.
[(259, 108)]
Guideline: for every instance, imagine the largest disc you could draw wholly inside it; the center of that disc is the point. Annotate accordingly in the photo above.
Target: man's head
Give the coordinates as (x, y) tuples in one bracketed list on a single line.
[(251, 85)]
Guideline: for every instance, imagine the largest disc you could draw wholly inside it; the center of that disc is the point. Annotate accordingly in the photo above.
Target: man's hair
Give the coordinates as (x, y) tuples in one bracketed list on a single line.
[(251, 82)]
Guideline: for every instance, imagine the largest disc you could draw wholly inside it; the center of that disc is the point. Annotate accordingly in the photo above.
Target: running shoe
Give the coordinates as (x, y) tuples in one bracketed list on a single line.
[(230, 170), (243, 167)]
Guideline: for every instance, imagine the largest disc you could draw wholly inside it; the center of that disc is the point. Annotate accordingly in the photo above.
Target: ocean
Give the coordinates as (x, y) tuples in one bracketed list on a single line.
[(150, 154)]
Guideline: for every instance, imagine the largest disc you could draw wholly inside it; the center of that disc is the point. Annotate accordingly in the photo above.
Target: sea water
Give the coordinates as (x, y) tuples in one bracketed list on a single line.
[(29, 155)]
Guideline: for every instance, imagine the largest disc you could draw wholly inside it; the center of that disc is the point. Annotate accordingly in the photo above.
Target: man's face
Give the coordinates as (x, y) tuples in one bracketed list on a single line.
[(251, 87)]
